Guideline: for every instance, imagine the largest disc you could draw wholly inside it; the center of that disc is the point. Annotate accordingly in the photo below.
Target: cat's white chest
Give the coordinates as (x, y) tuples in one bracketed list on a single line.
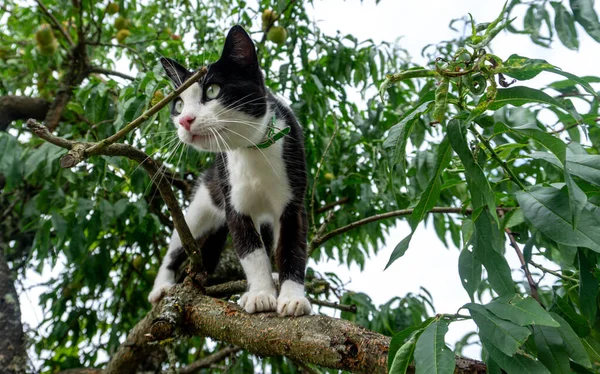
[(258, 180)]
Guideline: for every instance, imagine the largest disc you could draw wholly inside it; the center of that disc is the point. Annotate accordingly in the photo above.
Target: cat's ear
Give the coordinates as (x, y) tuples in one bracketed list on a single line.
[(239, 48), (175, 71)]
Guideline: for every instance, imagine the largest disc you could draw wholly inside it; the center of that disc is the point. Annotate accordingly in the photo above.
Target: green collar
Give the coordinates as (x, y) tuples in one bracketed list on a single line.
[(272, 135)]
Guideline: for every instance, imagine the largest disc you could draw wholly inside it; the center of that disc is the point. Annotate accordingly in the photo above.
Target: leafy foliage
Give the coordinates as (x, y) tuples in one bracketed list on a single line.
[(455, 133)]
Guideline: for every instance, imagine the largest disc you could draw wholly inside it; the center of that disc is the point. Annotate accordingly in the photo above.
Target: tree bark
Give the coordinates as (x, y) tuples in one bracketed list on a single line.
[(13, 357), (13, 108), (318, 340)]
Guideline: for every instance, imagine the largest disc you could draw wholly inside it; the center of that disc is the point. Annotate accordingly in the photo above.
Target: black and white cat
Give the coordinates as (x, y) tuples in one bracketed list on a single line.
[(256, 188)]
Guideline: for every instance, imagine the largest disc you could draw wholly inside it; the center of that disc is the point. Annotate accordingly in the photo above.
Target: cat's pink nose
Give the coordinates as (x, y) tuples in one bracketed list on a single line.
[(186, 122)]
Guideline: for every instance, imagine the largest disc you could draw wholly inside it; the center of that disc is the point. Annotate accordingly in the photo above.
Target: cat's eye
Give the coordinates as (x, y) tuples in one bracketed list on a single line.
[(213, 91), (178, 105)]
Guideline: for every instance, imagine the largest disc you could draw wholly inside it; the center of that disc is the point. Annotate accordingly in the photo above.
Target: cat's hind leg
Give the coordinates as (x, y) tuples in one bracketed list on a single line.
[(207, 224)]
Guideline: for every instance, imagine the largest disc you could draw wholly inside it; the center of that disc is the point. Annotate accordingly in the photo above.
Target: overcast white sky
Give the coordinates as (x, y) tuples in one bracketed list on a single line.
[(427, 263)]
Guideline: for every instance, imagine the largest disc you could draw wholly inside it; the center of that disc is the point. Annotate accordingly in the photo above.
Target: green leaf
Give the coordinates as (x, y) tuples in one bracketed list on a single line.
[(547, 208), (403, 356), (504, 335), (550, 348), (576, 321), (431, 353), (523, 68), (517, 364), (572, 342), (583, 11), (521, 95), (522, 311), (400, 250), (399, 340), (469, 269), (588, 285), (431, 193), (441, 100), (398, 135), (586, 167), (565, 26), (479, 187), (487, 247), (548, 157), (577, 198)]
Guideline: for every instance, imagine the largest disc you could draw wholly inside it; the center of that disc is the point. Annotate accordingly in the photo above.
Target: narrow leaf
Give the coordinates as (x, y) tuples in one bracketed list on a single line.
[(504, 335), (522, 311), (400, 250), (551, 350), (588, 285), (572, 342), (547, 208), (431, 353), (469, 269)]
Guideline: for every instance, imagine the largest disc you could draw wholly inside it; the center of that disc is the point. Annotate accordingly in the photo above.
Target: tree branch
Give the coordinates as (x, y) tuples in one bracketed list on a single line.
[(13, 108), (532, 285), (99, 70), (78, 149), (316, 242), (13, 357), (327, 207), (207, 361), (98, 147), (318, 340)]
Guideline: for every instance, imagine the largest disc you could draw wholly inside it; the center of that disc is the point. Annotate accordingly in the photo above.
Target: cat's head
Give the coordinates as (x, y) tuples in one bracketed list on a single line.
[(227, 109)]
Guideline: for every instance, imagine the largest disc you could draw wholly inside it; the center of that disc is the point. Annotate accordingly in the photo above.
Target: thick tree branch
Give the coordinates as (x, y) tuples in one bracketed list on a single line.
[(13, 108), (77, 71), (77, 149), (318, 340), (13, 358)]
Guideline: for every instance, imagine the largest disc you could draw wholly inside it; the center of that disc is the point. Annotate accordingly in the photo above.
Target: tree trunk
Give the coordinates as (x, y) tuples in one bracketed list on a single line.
[(13, 357)]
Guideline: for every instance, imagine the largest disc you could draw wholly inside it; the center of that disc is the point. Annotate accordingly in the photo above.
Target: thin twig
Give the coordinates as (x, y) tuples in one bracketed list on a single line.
[(343, 307), (209, 360), (378, 217), (56, 23), (316, 176), (532, 284), (502, 163), (98, 147), (553, 272), (99, 70), (326, 207)]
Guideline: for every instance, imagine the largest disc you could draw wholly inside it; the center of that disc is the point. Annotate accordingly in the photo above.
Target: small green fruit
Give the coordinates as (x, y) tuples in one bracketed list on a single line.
[(121, 23), (122, 35), (329, 176), (48, 50), (138, 262), (158, 96), (268, 17), (277, 34), (112, 8), (44, 35)]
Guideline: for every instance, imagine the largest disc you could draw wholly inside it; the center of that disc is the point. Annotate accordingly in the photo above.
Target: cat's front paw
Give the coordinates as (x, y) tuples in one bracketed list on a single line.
[(258, 301), (158, 291), (293, 306)]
